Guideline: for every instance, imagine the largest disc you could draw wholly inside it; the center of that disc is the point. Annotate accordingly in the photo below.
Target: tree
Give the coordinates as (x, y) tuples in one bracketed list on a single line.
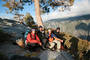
[(28, 19), (37, 10), (17, 17), (39, 5)]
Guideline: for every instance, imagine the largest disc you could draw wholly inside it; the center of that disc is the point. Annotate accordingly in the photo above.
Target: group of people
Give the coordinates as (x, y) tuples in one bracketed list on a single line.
[(48, 40)]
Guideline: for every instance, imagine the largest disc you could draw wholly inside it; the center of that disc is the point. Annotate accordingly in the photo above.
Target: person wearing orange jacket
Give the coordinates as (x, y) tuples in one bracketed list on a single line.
[(32, 38), (54, 40)]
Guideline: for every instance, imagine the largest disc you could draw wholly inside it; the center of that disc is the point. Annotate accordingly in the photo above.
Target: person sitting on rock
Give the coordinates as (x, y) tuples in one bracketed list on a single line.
[(33, 39), (41, 34), (57, 34), (53, 40)]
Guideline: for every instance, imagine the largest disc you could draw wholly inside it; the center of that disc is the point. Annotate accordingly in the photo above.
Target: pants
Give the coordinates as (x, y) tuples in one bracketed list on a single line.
[(31, 44), (44, 42), (52, 44)]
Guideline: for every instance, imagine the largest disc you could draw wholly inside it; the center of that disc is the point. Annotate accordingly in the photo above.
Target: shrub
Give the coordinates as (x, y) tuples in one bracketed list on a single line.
[(76, 46)]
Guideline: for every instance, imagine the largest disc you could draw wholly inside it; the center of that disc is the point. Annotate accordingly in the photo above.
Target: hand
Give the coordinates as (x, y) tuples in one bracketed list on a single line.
[(40, 44), (61, 40)]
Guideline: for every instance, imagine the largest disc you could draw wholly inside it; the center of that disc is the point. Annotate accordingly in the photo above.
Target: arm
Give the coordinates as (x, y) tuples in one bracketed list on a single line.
[(37, 38), (58, 39), (50, 39), (30, 40)]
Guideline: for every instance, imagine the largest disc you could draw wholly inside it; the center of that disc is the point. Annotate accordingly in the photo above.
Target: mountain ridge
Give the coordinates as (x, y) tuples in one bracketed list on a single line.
[(77, 26), (73, 18)]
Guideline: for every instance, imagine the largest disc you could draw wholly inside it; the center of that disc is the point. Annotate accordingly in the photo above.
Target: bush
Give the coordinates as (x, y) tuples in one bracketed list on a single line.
[(76, 46), (29, 20)]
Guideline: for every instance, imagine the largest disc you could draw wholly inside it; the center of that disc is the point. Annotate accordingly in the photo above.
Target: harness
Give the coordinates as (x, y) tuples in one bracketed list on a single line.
[(32, 36), (52, 38)]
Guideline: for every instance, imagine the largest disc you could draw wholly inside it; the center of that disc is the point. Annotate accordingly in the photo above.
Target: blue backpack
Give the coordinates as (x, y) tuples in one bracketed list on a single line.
[(25, 35)]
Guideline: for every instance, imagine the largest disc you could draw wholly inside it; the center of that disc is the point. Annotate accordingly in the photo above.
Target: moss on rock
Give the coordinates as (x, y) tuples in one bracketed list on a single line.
[(75, 45)]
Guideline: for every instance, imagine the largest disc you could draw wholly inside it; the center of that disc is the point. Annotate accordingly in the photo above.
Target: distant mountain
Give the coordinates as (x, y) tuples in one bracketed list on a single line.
[(82, 17), (78, 26)]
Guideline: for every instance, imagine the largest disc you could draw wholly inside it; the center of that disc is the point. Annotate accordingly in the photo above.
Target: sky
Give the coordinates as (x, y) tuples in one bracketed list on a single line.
[(27, 9), (80, 7)]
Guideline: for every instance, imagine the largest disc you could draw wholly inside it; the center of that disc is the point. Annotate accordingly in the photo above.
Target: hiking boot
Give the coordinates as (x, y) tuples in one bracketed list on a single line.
[(43, 48), (52, 49), (58, 50)]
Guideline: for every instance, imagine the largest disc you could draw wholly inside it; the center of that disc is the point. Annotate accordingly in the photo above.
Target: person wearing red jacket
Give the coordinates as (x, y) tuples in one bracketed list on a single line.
[(32, 38)]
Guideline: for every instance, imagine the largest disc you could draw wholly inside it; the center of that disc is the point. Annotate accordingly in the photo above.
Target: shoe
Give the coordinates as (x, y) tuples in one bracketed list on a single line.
[(58, 50), (52, 49), (43, 48)]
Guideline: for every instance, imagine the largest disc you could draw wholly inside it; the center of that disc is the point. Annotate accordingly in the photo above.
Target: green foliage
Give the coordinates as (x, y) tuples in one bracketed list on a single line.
[(75, 45), (3, 0), (12, 6), (44, 4), (71, 2), (29, 20)]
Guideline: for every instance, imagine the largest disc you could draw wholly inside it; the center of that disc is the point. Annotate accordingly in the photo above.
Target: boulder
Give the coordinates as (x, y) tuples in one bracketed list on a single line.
[(16, 30)]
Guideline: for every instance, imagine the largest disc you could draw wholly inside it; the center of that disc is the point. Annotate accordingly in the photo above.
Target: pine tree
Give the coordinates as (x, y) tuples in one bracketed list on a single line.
[(43, 5)]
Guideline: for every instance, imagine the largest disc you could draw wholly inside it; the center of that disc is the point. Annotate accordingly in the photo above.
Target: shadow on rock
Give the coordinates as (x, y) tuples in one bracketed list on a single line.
[(16, 57), (74, 46), (85, 27)]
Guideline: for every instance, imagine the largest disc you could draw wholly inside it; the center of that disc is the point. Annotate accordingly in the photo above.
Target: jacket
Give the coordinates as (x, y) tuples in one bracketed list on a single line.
[(32, 38)]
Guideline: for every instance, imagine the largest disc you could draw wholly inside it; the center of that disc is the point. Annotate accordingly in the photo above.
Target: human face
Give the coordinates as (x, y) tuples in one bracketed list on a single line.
[(49, 31), (33, 31), (58, 30), (40, 29)]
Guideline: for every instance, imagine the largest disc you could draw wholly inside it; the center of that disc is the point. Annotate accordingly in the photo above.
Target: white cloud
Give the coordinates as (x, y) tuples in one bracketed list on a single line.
[(81, 7), (4, 17)]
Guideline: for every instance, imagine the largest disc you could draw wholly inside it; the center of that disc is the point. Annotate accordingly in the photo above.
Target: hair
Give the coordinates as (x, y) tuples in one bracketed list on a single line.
[(58, 28), (40, 27), (49, 29), (33, 30)]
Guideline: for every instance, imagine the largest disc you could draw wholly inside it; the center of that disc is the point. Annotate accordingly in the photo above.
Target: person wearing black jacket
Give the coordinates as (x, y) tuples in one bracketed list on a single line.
[(41, 34), (57, 33)]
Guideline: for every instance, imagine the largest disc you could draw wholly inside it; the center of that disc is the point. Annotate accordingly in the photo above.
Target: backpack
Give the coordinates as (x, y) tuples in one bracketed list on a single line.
[(25, 35), (32, 36)]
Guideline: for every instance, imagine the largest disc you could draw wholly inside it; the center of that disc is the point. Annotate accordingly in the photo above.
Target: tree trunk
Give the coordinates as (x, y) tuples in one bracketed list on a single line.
[(37, 12)]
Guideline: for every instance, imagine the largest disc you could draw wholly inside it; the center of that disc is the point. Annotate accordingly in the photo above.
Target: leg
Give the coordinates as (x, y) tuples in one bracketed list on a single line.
[(47, 44), (43, 42), (25, 43), (34, 46), (51, 44), (58, 44)]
